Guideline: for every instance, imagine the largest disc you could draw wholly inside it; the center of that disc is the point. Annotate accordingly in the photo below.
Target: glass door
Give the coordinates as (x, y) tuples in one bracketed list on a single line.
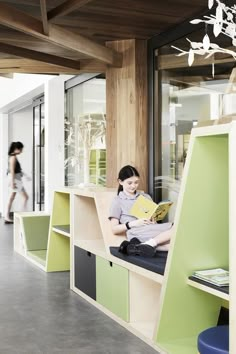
[(38, 154)]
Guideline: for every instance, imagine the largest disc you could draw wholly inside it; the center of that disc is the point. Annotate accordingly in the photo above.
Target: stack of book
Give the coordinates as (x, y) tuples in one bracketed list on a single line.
[(216, 276)]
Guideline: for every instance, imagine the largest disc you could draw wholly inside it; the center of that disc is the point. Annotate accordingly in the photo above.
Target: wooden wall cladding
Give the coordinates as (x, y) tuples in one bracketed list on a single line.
[(127, 121)]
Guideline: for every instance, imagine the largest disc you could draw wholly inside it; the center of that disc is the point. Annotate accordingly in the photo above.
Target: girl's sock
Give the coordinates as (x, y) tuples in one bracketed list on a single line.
[(150, 242)]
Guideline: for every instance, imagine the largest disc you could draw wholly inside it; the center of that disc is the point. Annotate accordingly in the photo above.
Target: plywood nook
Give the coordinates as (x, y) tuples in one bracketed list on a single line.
[(166, 311)]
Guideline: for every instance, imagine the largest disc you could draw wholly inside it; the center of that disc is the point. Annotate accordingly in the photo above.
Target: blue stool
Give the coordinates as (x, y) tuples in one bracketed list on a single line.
[(214, 340)]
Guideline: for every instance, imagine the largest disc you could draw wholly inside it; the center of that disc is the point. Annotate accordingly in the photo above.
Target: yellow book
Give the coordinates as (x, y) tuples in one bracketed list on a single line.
[(146, 208)]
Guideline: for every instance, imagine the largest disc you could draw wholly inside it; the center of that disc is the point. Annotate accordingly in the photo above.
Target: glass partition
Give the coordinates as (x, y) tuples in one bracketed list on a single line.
[(85, 129), (186, 97)]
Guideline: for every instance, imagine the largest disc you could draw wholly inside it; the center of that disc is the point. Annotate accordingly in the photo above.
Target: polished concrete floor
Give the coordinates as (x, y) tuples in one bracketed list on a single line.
[(39, 314)]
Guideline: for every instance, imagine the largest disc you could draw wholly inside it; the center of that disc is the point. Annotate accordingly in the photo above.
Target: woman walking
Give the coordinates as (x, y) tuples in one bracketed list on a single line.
[(15, 178)]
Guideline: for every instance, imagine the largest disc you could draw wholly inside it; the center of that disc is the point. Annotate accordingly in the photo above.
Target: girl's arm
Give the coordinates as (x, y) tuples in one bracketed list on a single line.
[(119, 229), (12, 164)]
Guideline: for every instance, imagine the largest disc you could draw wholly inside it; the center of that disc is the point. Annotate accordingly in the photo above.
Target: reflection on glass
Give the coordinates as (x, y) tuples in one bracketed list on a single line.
[(85, 129), (187, 97)]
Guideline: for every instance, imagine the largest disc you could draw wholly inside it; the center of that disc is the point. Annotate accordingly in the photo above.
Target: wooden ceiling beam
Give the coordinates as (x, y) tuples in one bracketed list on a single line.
[(172, 61), (87, 65), (72, 41), (13, 18), (32, 66), (43, 8), (66, 7), (22, 22), (8, 76), (39, 56)]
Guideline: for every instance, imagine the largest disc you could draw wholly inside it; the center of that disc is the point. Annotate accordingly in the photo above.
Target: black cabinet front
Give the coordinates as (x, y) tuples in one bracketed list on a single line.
[(85, 271)]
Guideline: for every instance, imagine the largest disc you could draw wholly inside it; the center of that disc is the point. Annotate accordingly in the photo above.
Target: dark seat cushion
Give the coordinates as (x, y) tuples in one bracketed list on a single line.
[(154, 264)]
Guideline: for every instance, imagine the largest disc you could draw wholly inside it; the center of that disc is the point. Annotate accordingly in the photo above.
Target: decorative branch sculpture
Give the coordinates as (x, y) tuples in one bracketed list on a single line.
[(223, 22)]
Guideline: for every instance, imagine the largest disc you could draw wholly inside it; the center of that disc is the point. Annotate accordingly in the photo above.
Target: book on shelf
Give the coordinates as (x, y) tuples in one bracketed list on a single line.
[(216, 276), (147, 208)]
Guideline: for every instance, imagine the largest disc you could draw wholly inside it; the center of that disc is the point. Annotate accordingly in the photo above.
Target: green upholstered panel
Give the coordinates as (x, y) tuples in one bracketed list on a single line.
[(36, 230), (201, 242), (112, 287)]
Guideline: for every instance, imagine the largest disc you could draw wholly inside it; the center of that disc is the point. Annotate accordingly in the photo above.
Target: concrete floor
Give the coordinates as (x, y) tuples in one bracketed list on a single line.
[(39, 314)]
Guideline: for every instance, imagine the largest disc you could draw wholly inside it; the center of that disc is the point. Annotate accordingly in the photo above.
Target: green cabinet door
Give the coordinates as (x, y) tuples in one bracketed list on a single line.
[(112, 285)]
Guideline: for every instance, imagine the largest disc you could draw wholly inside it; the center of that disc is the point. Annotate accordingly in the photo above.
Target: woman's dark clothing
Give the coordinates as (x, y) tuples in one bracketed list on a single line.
[(18, 168)]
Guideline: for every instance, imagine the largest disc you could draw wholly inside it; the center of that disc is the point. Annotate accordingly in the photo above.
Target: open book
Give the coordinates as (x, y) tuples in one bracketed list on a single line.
[(146, 208), (216, 276)]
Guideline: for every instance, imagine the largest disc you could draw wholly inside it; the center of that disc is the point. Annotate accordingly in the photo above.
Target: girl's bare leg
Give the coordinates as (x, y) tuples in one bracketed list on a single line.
[(163, 238), (163, 247), (161, 241), (26, 197), (9, 205)]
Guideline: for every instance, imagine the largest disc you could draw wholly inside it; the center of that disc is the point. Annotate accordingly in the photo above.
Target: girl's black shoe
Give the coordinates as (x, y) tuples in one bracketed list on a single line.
[(141, 249), (123, 247), (135, 241)]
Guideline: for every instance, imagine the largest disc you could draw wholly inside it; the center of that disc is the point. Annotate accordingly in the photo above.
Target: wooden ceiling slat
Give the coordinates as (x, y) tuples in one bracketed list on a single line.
[(42, 57), (44, 16), (66, 7)]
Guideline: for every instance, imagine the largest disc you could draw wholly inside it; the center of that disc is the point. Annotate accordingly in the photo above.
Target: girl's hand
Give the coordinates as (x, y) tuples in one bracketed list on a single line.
[(140, 222), (13, 185)]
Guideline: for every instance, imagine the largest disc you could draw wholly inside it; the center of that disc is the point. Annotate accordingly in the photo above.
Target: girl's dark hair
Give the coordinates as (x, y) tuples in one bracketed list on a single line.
[(126, 172), (15, 145)]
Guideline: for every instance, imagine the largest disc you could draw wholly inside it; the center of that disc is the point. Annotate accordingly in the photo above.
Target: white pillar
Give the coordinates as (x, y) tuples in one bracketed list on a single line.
[(54, 138), (3, 162)]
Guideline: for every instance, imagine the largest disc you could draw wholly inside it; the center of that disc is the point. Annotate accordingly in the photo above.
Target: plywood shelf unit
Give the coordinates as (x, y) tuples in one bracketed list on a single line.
[(168, 312), (44, 239), (128, 293)]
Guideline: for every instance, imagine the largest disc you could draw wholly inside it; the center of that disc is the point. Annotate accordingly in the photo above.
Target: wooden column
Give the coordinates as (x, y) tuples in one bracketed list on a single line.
[(127, 122)]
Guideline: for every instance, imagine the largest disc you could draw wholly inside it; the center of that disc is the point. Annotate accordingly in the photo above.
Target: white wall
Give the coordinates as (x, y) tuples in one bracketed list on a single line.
[(19, 86), (3, 161), (54, 137)]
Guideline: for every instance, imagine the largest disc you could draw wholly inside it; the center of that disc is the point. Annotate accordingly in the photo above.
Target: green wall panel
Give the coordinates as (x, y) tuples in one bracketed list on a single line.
[(112, 287), (201, 242)]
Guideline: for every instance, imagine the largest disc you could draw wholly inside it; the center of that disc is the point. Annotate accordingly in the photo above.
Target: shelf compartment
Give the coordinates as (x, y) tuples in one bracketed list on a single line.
[(86, 223), (38, 256), (221, 292), (144, 303), (62, 229), (85, 272), (112, 287)]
